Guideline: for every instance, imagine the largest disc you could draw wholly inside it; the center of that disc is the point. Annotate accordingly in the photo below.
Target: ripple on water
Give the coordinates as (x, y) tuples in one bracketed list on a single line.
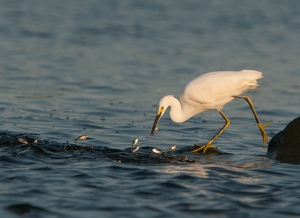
[(29, 210)]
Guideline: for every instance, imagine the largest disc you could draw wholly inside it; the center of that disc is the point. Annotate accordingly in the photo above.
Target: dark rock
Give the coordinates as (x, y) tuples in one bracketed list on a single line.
[(285, 145)]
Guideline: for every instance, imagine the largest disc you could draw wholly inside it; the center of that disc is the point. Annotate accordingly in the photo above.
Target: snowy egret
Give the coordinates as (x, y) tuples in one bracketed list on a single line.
[(211, 91)]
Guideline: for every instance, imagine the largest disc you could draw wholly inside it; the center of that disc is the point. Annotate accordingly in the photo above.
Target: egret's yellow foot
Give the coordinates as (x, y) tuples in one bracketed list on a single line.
[(204, 147), (263, 133)]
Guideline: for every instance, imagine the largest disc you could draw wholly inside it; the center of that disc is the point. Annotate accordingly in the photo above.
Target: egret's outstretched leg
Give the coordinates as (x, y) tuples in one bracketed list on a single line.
[(260, 126), (205, 147)]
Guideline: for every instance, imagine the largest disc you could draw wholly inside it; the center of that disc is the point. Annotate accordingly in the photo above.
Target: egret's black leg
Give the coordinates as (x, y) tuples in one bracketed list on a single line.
[(205, 147), (260, 126)]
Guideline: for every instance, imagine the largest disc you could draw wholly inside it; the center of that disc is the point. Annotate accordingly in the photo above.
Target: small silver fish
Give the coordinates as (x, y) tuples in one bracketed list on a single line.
[(134, 143), (172, 148), (136, 148), (157, 151), (22, 140), (83, 137)]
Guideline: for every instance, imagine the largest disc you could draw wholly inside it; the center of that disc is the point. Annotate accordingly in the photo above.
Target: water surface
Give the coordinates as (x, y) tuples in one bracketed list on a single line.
[(99, 68)]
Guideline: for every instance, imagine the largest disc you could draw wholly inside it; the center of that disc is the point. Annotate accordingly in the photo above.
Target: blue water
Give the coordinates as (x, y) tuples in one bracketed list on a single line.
[(98, 68)]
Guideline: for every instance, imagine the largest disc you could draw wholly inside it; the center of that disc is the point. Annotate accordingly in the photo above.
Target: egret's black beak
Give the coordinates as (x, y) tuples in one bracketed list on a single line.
[(157, 118)]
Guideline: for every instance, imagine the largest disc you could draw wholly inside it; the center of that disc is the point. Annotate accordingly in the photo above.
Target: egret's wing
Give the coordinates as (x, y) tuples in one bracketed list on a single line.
[(215, 86)]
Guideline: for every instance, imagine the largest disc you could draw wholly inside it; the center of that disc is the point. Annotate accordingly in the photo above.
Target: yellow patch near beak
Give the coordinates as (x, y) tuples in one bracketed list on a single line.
[(157, 118), (160, 110)]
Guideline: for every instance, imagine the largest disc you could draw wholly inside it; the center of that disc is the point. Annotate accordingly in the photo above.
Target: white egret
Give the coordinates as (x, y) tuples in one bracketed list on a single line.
[(211, 91)]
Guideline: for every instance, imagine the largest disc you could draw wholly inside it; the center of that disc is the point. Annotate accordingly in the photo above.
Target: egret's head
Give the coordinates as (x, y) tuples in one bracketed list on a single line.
[(163, 105)]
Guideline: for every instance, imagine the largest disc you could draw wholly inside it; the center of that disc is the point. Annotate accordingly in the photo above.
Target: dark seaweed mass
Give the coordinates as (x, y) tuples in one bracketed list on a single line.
[(26, 146)]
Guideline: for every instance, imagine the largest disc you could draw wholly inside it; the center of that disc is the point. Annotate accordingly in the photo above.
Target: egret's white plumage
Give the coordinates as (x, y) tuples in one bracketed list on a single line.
[(211, 91)]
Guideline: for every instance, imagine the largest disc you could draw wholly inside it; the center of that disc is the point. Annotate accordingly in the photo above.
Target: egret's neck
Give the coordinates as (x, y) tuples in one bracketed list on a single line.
[(178, 112)]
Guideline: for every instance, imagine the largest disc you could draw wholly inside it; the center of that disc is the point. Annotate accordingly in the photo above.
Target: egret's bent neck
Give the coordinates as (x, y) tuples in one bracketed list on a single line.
[(178, 112)]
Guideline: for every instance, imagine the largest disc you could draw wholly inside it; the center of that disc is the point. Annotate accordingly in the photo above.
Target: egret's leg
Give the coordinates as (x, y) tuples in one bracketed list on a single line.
[(260, 126), (205, 147)]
